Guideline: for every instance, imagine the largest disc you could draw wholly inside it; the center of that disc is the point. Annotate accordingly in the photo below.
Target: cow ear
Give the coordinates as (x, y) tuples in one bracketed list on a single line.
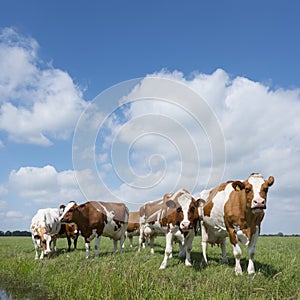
[(171, 204), (200, 202), (270, 180), (238, 185)]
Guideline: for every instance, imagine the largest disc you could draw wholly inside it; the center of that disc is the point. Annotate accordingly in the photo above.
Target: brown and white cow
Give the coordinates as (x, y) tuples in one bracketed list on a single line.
[(95, 219), (44, 228), (181, 216), (69, 231), (177, 215), (151, 216), (235, 209)]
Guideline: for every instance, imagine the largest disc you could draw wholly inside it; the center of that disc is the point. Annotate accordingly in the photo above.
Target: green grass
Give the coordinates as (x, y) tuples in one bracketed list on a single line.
[(133, 275)]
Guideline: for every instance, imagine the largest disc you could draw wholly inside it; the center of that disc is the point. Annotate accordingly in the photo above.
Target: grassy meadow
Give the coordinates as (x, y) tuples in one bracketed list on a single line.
[(133, 275)]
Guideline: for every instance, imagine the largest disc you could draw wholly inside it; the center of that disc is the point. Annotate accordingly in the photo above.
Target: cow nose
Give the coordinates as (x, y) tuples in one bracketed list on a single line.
[(185, 224), (259, 201)]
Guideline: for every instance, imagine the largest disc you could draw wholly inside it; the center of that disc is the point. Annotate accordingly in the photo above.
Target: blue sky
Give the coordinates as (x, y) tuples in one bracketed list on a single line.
[(56, 57)]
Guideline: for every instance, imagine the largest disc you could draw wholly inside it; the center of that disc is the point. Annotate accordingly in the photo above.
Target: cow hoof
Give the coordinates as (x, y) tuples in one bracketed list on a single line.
[(238, 272), (187, 263), (225, 261)]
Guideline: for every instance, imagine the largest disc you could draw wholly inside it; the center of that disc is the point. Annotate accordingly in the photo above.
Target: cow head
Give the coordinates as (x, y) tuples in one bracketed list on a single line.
[(68, 213), (44, 239), (62, 209), (183, 210), (256, 189)]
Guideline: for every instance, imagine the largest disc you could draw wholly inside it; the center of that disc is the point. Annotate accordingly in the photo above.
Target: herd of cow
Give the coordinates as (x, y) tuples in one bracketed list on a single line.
[(234, 209)]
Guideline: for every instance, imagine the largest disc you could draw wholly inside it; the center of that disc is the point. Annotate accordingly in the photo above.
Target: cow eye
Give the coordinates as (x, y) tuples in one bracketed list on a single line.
[(192, 209), (179, 209), (247, 190), (266, 190)]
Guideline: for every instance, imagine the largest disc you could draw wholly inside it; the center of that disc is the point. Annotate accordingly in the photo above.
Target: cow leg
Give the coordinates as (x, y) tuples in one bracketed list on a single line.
[(131, 241), (115, 242), (204, 239), (168, 250), (188, 246), (251, 251), (127, 235), (141, 238), (54, 245), (87, 249), (224, 254), (182, 247), (237, 252), (152, 244), (42, 254), (36, 247), (69, 243), (145, 242), (96, 245), (122, 241)]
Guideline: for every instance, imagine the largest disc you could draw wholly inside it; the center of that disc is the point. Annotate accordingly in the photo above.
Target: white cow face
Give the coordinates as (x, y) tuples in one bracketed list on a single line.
[(256, 188), (43, 240), (185, 211)]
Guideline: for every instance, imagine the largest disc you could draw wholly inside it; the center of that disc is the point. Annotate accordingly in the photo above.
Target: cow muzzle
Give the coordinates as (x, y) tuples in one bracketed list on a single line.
[(259, 204), (185, 225)]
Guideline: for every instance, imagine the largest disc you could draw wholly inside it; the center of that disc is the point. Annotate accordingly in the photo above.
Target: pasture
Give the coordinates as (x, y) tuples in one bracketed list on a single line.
[(133, 275)]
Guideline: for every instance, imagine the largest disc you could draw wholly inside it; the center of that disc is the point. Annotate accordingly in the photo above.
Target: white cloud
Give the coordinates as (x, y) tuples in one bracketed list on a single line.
[(261, 130), (38, 103), (45, 185), (3, 190), (14, 214)]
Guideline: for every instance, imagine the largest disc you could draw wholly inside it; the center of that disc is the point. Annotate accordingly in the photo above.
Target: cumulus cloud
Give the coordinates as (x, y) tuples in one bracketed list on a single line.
[(14, 214), (260, 126), (39, 103), (45, 185)]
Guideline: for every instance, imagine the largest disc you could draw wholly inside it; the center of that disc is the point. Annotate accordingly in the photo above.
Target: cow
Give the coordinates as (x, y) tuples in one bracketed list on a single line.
[(95, 219), (151, 215), (235, 209), (133, 228), (177, 216), (70, 231), (44, 228), (181, 217)]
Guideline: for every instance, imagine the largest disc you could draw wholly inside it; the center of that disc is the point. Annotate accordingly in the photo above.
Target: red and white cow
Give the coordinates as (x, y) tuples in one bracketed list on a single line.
[(70, 231), (44, 228), (151, 217), (177, 215), (181, 217), (235, 209), (95, 219)]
